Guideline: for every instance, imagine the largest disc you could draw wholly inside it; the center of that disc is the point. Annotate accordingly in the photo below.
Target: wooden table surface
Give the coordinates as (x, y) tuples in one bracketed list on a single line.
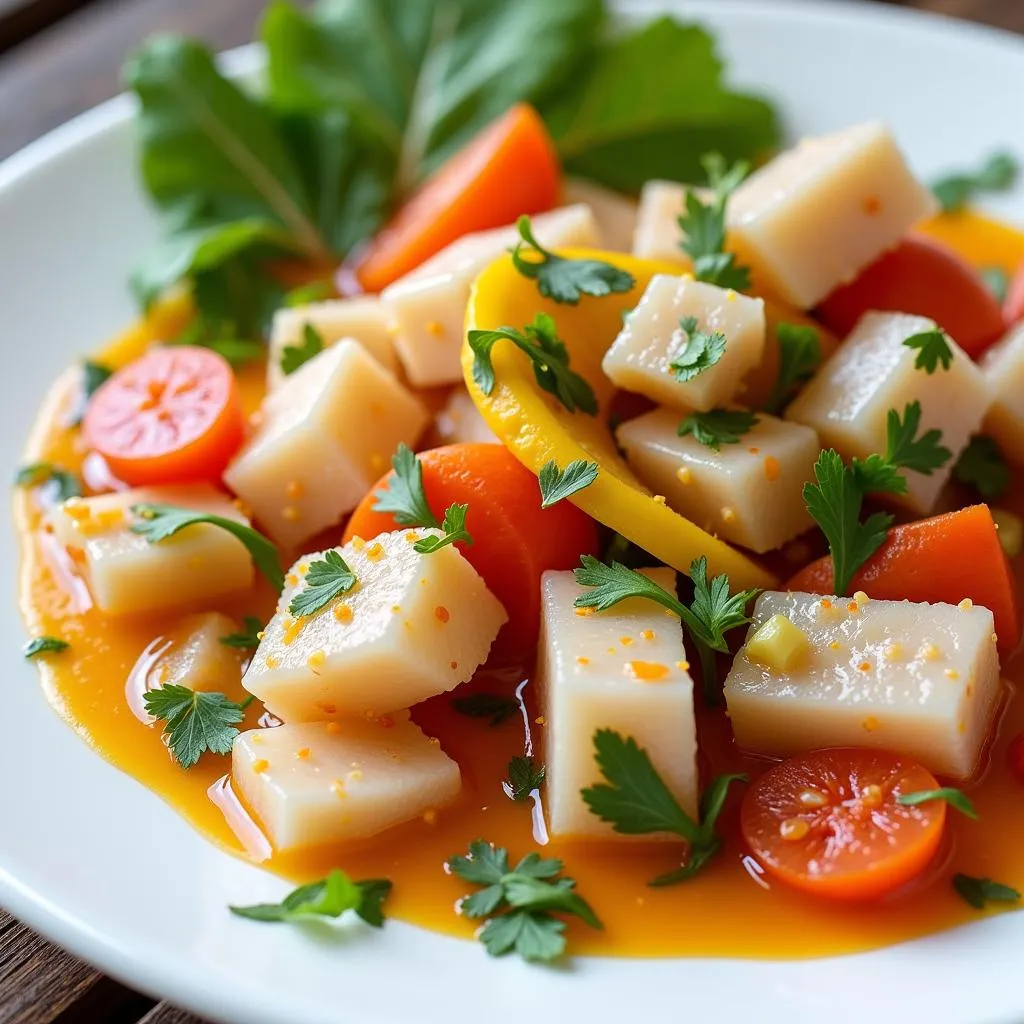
[(58, 58)]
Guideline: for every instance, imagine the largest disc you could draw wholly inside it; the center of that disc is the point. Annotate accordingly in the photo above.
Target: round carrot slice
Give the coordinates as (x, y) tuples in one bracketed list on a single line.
[(830, 822), (172, 416)]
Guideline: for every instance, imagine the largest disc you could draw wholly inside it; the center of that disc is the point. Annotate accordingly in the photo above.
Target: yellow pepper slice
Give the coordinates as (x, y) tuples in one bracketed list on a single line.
[(537, 428)]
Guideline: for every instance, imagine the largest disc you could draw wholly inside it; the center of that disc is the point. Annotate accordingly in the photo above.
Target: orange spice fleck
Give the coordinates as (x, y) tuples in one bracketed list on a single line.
[(302, 753), (343, 613), (870, 724), (442, 614), (582, 659), (293, 489), (290, 514), (772, 469), (872, 205), (647, 634), (647, 671), (333, 728), (375, 552), (260, 765)]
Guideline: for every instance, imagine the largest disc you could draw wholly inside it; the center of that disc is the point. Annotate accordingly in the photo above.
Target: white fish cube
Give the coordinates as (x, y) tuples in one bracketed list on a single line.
[(1003, 366), (362, 319), (126, 574), (459, 421), (197, 659), (816, 215), (415, 625), (623, 669), (324, 438), (428, 305), (332, 782), (848, 400), (750, 493), (615, 213), (651, 339), (920, 679)]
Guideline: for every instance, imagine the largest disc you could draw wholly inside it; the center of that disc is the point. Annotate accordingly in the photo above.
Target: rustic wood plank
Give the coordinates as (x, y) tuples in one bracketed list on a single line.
[(20, 19), (1008, 14)]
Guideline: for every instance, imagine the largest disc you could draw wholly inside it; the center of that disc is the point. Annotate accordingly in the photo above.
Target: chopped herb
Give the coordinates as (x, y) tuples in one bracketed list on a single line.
[(634, 800), (997, 174), (246, 640), (932, 348), (519, 903), (981, 891), (453, 527), (403, 495), (880, 474), (954, 797), (799, 356), (195, 721), (523, 778), (486, 705), (326, 578), (294, 356), (997, 281), (565, 280), (63, 482), (307, 294), (983, 466), (699, 353), (549, 356), (330, 897), (44, 645), (158, 522), (718, 426), (557, 484)]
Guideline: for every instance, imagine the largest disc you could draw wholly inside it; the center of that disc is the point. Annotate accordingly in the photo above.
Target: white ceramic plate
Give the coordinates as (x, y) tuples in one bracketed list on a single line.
[(103, 867)]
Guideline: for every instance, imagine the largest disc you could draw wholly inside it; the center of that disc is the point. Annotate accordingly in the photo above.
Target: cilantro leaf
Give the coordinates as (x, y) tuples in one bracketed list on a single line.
[(557, 484), (294, 356), (403, 495), (523, 778), (330, 897), (486, 705), (718, 426), (247, 639), (62, 482), (195, 721), (158, 522), (700, 350), (980, 891), (997, 174), (549, 356), (93, 375), (326, 578), (634, 800), (954, 797), (565, 280), (834, 503), (44, 645), (485, 864), (905, 449), (983, 466), (997, 281), (613, 583), (799, 356), (454, 528), (932, 348), (536, 937)]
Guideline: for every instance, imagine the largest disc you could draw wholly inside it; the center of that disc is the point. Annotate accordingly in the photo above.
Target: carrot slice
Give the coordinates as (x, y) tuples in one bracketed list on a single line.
[(173, 415), (830, 822), (510, 168), (514, 539), (945, 558)]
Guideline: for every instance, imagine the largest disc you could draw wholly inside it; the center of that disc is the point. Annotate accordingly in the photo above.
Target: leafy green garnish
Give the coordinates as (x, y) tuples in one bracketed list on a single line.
[(307, 294), (980, 891), (997, 174), (879, 474), (700, 351), (486, 705), (523, 778), (565, 280), (326, 579), (330, 897), (557, 484), (718, 426), (954, 797), (158, 522), (634, 800), (404, 496), (248, 638), (37, 474), (799, 356), (93, 375), (44, 645), (294, 356), (997, 281), (932, 348), (520, 902), (195, 721), (983, 466), (453, 528), (548, 354)]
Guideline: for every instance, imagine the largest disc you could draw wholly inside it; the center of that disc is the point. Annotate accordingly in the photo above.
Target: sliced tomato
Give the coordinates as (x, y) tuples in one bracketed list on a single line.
[(830, 822), (1013, 307), (172, 416), (923, 277)]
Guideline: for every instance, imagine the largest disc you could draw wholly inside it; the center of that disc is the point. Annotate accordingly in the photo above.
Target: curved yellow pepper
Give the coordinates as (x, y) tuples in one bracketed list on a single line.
[(537, 428)]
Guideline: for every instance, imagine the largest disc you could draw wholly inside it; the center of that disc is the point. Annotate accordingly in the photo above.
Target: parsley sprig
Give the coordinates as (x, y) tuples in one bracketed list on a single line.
[(997, 174), (983, 466), (44, 645), (159, 522), (979, 892), (557, 484), (799, 356), (541, 344), (524, 776), (519, 903), (404, 496), (294, 356), (634, 800), (453, 529), (932, 349), (701, 350), (247, 638), (880, 474), (565, 280), (954, 797), (330, 897), (63, 483), (195, 721), (718, 426), (326, 579)]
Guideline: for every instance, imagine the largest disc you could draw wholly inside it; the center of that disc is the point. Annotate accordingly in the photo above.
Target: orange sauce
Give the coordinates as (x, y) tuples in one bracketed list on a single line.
[(729, 910)]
